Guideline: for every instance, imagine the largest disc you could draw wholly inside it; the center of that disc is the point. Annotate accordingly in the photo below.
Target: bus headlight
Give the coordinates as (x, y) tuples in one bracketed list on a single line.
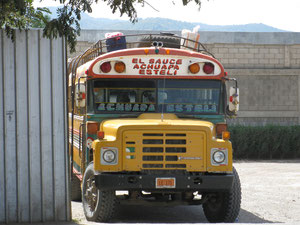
[(109, 156), (219, 156)]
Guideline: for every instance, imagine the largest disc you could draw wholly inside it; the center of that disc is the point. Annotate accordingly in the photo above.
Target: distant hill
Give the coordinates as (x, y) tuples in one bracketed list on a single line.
[(88, 22)]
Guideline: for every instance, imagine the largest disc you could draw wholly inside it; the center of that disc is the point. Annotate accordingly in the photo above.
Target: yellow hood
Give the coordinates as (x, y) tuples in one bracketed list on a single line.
[(154, 122)]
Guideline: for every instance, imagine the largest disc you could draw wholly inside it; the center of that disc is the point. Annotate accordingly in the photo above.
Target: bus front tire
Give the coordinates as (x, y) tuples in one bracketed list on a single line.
[(224, 206), (98, 205)]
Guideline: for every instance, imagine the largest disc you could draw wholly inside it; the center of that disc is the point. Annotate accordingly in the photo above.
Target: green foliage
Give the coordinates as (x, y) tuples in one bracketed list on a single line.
[(36, 23), (268, 142), (20, 14), (64, 25)]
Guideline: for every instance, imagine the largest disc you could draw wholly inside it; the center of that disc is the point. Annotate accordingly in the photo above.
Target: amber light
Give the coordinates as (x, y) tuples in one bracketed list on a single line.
[(225, 135), (92, 127), (208, 68), (120, 67), (194, 68), (100, 134), (105, 67), (220, 128)]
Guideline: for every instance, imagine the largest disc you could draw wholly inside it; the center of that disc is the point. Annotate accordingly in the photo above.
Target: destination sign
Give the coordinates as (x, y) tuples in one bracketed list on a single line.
[(126, 107), (155, 66), (171, 108), (158, 66)]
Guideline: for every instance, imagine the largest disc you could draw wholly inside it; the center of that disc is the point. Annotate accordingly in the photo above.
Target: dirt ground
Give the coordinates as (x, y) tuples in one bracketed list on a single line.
[(270, 194)]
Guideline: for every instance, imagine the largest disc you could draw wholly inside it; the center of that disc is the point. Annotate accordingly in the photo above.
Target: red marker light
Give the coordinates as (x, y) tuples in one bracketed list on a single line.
[(100, 134), (105, 67), (208, 68)]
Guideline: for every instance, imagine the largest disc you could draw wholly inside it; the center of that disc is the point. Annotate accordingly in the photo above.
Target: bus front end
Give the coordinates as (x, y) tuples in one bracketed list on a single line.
[(156, 122)]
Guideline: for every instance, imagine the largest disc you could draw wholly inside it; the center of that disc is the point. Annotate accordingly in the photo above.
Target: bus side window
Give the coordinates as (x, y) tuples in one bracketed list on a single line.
[(80, 98)]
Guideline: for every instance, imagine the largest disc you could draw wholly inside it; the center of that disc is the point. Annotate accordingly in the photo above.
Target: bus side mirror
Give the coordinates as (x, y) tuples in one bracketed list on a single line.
[(80, 96), (234, 100)]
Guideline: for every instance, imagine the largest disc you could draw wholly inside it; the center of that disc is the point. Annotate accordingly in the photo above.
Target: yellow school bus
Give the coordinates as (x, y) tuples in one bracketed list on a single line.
[(147, 126)]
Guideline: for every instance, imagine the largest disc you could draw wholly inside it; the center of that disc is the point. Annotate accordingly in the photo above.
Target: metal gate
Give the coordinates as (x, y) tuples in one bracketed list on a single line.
[(33, 120)]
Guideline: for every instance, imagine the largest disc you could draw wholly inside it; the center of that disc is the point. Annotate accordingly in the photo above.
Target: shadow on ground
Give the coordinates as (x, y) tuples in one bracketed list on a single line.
[(179, 214)]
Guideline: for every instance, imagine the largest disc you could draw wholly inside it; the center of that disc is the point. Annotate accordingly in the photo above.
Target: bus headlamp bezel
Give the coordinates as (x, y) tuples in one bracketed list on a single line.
[(109, 156), (215, 152)]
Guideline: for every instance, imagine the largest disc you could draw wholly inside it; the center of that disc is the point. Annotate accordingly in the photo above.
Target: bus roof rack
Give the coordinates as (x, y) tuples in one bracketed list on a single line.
[(169, 40)]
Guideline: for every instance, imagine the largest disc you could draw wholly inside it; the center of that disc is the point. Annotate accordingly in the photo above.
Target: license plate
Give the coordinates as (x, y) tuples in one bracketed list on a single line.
[(165, 182)]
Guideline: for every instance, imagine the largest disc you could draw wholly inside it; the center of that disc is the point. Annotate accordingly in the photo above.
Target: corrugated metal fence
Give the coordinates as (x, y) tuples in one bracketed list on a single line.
[(33, 139)]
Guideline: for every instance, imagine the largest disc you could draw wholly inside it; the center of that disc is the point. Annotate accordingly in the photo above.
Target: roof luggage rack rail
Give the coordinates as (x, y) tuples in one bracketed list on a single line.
[(168, 40)]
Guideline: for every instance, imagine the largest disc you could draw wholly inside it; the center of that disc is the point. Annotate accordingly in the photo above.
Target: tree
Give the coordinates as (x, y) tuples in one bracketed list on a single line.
[(20, 14), (36, 23)]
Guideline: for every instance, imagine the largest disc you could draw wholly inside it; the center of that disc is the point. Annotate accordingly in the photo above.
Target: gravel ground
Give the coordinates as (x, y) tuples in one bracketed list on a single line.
[(270, 194)]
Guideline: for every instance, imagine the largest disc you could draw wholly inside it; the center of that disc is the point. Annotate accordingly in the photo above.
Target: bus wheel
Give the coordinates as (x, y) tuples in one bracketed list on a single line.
[(224, 206), (97, 205), (75, 188)]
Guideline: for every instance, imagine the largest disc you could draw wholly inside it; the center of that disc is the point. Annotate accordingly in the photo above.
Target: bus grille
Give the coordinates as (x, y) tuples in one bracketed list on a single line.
[(167, 150), (162, 143)]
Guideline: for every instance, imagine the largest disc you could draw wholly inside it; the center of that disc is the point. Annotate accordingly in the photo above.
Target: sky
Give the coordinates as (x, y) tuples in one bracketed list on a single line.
[(282, 14)]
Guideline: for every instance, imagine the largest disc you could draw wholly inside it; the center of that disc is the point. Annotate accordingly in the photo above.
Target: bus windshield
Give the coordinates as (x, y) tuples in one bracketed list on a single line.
[(161, 95)]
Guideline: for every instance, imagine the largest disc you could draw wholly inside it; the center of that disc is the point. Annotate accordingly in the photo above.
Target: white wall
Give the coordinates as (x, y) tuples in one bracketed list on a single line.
[(33, 139)]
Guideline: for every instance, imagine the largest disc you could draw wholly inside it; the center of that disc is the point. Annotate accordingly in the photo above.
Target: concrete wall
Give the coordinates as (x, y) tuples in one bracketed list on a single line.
[(267, 66), (33, 140)]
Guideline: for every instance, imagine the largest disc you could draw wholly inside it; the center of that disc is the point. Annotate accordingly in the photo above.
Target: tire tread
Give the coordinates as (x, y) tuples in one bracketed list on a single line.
[(231, 204), (105, 207)]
